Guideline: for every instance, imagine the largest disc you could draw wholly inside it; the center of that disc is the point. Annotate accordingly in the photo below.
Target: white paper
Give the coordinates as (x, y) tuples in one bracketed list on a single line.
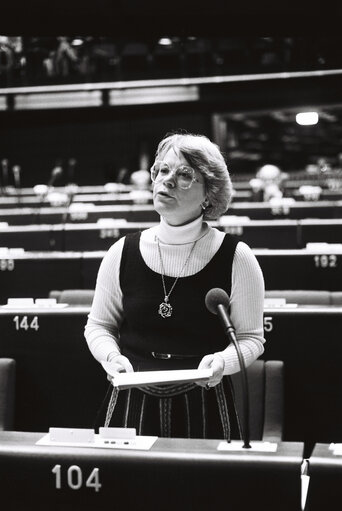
[(137, 379)]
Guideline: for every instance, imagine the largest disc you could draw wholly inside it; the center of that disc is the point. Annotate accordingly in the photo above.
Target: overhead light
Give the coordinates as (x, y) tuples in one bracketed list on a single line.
[(307, 118), (165, 41)]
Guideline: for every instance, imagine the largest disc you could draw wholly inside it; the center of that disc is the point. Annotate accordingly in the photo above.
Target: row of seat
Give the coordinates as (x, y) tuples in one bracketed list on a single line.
[(136, 197), (296, 296), (34, 274), (60, 384), (275, 234), (146, 213)]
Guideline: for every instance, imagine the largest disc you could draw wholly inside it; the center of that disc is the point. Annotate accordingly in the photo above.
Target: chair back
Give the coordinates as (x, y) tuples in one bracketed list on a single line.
[(73, 296), (266, 403), (7, 393)]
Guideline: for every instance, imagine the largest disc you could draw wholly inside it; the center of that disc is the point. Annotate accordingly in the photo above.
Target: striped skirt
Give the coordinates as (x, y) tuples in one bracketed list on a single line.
[(178, 411)]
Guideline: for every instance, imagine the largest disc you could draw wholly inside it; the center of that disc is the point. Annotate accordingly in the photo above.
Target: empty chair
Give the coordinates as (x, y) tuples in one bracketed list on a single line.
[(73, 296), (302, 296), (265, 385), (7, 393), (307, 296)]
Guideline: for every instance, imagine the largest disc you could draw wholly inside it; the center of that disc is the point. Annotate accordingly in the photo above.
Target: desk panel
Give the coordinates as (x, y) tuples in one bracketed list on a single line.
[(87, 237), (33, 237), (176, 474), (282, 269), (58, 381), (308, 340), (33, 275), (274, 234), (325, 471), (300, 269), (313, 231), (265, 234), (85, 213), (297, 210)]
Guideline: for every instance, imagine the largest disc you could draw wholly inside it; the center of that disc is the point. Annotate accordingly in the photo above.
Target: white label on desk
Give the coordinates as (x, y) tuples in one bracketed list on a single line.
[(336, 449), (71, 435), (139, 443)]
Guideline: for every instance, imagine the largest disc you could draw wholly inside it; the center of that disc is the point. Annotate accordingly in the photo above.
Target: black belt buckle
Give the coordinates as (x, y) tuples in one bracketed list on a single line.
[(161, 356)]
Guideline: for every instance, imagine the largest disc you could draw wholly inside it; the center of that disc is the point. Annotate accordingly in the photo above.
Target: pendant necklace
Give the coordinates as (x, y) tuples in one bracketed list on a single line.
[(165, 308)]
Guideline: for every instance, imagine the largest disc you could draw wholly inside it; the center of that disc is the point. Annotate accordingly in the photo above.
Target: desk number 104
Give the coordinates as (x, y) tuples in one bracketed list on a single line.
[(74, 479)]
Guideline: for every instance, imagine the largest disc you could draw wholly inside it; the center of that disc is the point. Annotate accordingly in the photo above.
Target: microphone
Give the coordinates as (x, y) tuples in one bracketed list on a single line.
[(217, 302), (55, 173), (4, 173), (44, 190), (16, 177)]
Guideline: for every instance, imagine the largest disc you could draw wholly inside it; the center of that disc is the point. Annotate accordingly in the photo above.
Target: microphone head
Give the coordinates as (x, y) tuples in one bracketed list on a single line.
[(215, 297), (57, 171)]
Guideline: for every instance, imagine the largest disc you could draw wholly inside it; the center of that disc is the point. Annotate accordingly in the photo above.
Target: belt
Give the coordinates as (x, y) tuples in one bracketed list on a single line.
[(168, 356)]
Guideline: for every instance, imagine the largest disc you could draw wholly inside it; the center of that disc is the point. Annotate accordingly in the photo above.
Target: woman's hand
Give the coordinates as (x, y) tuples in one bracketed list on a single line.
[(118, 364), (216, 363)]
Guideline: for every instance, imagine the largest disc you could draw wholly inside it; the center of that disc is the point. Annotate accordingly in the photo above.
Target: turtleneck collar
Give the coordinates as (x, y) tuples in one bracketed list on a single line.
[(180, 234)]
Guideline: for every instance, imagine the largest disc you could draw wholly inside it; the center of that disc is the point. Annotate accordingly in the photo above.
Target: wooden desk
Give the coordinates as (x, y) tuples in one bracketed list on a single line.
[(59, 382), (34, 274), (180, 474)]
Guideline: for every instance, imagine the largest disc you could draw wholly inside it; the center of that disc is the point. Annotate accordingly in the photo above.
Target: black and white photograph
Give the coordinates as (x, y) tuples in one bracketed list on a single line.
[(170, 256)]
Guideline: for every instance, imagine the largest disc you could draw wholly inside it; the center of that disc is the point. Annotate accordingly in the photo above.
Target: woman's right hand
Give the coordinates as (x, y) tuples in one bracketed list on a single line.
[(118, 364)]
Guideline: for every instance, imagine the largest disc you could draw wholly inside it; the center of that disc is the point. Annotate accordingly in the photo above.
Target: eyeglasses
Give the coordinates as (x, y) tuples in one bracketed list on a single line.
[(184, 175)]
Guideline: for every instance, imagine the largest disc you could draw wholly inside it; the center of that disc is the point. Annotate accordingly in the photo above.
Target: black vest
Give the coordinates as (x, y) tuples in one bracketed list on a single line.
[(192, 331)]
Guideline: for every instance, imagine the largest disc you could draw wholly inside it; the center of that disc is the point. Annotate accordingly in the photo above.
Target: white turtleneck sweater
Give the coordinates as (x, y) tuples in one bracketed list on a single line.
[(102, 331)]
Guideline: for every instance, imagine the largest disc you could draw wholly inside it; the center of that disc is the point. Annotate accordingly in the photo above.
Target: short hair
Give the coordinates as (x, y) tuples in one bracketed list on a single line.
[(205, 156)]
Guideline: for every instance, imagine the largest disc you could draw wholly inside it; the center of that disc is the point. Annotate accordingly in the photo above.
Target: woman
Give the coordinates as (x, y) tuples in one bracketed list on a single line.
[(149, 308)]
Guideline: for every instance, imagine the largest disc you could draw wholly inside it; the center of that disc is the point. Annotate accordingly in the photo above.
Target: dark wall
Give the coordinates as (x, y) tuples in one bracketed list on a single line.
[(102, 140), (107, 139)]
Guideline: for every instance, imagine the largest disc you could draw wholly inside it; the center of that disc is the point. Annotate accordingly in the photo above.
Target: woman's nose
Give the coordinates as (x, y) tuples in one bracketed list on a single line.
[(170, 180)]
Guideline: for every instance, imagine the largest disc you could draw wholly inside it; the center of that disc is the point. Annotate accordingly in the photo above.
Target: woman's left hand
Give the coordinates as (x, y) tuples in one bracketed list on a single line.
[(216, 363)]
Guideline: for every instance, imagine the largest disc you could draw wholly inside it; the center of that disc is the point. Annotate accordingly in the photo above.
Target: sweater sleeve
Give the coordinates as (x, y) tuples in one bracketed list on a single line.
[(105, 317), (246, 309)]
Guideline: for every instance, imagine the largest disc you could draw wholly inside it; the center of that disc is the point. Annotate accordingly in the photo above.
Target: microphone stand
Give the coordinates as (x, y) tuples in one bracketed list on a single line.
[(230, 332), (4, 169), (16, 176), (71, 190)]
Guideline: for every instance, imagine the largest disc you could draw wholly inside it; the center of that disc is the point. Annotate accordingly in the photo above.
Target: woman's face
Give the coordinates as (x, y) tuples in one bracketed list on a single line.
[(176, 205)]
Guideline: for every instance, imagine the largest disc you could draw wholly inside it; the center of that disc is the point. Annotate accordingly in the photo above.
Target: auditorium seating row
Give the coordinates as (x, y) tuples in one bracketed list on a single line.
[(88, 212), (130, 198), (273, 234), (296, 179), (34, 274), (59, 383)]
